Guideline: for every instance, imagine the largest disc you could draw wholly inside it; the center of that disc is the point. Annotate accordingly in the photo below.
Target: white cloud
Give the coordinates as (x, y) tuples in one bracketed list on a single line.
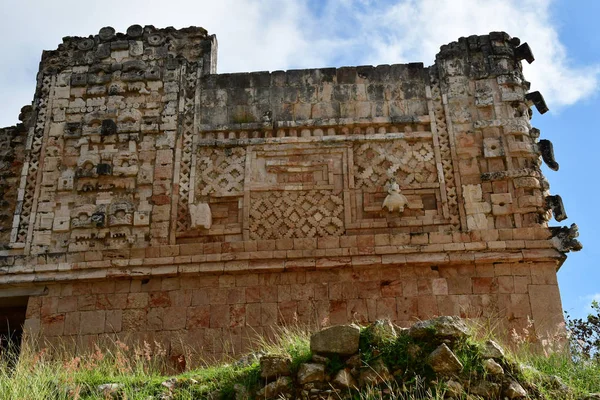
[(252, 35), (274, 34), (413, 30)]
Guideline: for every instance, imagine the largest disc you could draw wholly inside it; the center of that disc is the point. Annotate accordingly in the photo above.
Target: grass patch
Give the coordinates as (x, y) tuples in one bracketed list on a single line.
[(582, 377), (467, 351), (141, 373), (291, 341)]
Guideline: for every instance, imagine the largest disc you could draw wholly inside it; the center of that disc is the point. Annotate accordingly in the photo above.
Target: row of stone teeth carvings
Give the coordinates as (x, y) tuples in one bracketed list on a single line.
[(313, 132)]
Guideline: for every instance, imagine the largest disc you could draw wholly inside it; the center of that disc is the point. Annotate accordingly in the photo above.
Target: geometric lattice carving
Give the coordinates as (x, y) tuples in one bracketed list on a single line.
[(296, 214), (221, 170), (34, 160), (445, 153), (187, 132), (375, 163)]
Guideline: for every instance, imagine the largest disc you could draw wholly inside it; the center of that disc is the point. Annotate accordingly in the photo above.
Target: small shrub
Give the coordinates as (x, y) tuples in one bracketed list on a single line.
[(468, 354), (366, 348), (585, 334)]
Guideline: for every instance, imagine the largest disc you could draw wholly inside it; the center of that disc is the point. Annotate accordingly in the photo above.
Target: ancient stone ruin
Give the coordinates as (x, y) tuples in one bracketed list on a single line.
[(426, 355), (146, 197), (433, 359)]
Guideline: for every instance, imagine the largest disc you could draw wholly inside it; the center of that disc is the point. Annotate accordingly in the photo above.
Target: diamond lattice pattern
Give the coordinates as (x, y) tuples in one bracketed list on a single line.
[(296, 214)]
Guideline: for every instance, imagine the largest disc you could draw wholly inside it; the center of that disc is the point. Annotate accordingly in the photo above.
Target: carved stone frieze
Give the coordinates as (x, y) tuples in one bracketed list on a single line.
[(410, 164), (148, 195), (296, 214)]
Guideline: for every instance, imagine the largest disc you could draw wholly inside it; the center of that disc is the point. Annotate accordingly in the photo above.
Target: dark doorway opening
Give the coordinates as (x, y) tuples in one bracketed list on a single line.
[(12, 318)]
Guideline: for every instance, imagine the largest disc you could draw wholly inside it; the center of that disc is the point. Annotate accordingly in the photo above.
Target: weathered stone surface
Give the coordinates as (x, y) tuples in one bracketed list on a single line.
[(450, 328), (273, 390), (381, 331), (491, 349), (514, 391), (454, 389), (485, 389), (200, 215), (442, 360), (308, 373), (492, 367), (319, 359), (565, 238), (274, 366), (341, 339), (344, 380), (394, 201), (354, 361), (374, 374)]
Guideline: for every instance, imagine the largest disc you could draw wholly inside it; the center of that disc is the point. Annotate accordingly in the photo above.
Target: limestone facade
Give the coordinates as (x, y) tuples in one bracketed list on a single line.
[(148, 197)]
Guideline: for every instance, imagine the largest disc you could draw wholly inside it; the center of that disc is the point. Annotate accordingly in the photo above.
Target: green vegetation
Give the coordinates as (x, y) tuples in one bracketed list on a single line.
[(145, 372), (334, 365), (585, 334)]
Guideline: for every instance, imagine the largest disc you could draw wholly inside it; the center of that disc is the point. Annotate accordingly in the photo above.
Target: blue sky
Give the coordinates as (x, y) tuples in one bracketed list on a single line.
[(279, 34)]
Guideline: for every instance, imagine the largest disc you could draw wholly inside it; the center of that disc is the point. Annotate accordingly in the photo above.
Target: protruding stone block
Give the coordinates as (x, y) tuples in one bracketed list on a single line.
[(445, 328), (523, 52), (200, 215), (309, 373), (340, 339), (556, 205), (536, 99), (492, 349), (274, 366), (565, 238), (443, 361), (106, 33), (545, 147), (344, 379)]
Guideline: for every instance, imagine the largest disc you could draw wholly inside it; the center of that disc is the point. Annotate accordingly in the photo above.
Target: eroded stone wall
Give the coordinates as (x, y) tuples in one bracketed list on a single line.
[(12, 155), (225, 313), (239, 201)]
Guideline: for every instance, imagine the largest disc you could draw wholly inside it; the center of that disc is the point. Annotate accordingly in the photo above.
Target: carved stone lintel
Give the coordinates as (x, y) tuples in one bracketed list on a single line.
[(395, 201), (564, 238), (200, 216)]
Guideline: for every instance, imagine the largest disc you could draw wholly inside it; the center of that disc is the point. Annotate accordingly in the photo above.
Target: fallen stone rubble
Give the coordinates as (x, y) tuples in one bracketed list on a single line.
[(434, 350), (432, 359)]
